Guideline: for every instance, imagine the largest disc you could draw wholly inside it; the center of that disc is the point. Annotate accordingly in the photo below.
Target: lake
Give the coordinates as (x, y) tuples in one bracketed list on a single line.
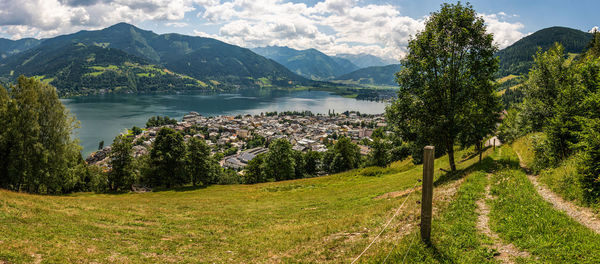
[(103, 117)]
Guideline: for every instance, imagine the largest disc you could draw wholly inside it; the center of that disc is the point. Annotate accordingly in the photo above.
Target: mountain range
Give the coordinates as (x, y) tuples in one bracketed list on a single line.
[(132, 57), (374, 76), (517, 58), (124, 58), (309, 63)]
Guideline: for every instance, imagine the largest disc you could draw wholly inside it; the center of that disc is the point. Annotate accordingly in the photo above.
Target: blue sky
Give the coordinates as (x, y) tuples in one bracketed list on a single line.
[(378, 27)]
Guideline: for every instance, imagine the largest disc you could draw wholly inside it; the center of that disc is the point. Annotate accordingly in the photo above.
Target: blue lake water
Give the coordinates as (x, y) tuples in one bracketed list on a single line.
[(103, 117)]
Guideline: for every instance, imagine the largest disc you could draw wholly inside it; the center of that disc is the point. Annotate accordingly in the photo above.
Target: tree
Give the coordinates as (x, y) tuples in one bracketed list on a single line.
[(279, 161), (122, 174), (343, 156), (38, 153), (200, 164), (380, 154), (254, 171), (136, 130), (168, 159), (548, 76), (312, 160), (446, 82)]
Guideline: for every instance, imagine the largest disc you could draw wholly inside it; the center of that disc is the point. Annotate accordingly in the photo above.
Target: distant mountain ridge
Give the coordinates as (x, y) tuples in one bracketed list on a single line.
[(366, 60), (10, 47), (212, 63), (375, 75), (309, 63), (518, 57)]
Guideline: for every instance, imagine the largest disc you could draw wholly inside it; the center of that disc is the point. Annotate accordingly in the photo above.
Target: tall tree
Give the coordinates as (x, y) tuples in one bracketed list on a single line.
[(200, 164), (446, 77), (168, 158), (343, 156), (39, 154), (380, 153), (122, 174), (279, 161)]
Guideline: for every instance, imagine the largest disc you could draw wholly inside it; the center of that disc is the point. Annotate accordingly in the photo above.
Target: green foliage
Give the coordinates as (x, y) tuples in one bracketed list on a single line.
[(343, 156), (201, 166), (254, 170), (375, 75), (312, 162), (590, 163), (446, 83), (593, 48), (122, 174), (518, 58), (157, 121), (380, 153), (37, 153), (279, 162), (168, 159), (256, 141), (512, 126), (548, 76), (136, 130)]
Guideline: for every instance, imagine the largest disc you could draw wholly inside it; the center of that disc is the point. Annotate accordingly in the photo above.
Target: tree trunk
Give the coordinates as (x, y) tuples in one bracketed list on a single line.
[(480, 150), (450, 149)]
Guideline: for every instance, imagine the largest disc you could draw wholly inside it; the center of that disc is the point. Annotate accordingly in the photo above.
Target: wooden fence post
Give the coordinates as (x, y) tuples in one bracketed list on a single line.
[(494, 144), (427, 193)]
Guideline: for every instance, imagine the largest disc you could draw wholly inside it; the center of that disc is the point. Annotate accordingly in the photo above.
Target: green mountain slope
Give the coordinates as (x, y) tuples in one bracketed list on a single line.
[(211, 61), (10, 47), (376, 75), (366, 60), (309, 63), (81, 69), (518, 58)]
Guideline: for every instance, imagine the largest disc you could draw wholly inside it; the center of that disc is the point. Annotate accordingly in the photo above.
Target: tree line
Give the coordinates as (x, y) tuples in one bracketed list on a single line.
[(562, 101)]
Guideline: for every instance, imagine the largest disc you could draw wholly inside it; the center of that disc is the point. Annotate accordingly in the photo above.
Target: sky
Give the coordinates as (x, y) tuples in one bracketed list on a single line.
[(378, 27)]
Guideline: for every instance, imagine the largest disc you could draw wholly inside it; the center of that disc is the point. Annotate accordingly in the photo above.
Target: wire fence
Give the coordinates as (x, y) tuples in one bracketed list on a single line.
[(386, 226)]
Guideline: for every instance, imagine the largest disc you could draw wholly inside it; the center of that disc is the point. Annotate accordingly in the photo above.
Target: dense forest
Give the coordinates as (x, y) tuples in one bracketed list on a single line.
[(560, 104), (518, 58)]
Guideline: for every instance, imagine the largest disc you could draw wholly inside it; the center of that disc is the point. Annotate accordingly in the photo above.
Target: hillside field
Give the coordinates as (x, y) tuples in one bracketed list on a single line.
[(324, 219)]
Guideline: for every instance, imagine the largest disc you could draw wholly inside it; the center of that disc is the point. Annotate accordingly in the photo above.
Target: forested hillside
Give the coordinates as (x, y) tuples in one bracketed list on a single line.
[(9, 47), (376, 75), (211, 62), (309, 63), (518, 58), (366, 60), (82, 69)]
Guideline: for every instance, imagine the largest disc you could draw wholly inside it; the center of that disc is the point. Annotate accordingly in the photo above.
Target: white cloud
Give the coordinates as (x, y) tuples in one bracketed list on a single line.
[(46, 18), (332, 26), (505, 33), (177, 24), (594, 29)]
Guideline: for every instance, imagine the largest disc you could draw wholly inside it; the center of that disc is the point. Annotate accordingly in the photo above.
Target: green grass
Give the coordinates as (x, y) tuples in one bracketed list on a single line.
[(305, 220), (454, 234), (520, 216), (524, 146), (506, 78)]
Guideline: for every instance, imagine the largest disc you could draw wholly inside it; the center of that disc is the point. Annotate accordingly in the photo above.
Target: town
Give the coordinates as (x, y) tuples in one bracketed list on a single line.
[(240, 138)]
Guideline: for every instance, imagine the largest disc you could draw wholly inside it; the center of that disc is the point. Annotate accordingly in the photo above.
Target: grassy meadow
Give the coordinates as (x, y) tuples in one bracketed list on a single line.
[(324, 219)]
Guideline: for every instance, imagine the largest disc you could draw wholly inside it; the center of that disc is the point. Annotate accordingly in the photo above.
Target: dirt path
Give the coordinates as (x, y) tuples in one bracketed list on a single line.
[(506, 252), (583, 215)]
